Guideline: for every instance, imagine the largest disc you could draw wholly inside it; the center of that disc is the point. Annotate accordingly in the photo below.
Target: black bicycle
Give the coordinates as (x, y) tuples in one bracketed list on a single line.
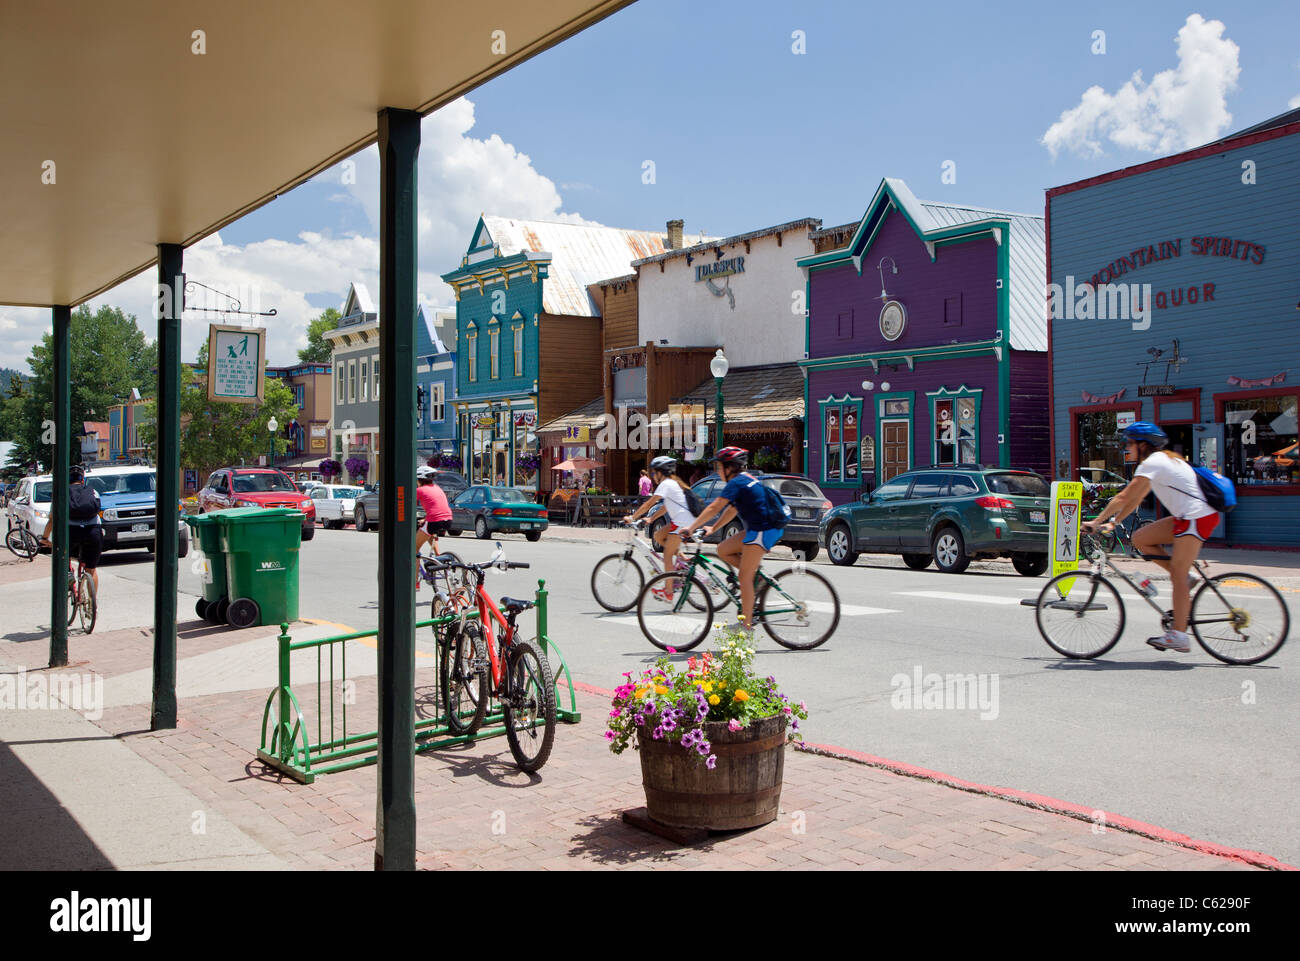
[(21, 541), (1238, 618)]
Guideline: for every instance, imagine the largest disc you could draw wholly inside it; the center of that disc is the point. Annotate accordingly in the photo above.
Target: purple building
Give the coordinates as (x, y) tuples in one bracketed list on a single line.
[(926, 342)]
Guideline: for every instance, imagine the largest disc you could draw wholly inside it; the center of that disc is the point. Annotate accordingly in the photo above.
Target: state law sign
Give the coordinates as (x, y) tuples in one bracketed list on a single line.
[(236, 360)]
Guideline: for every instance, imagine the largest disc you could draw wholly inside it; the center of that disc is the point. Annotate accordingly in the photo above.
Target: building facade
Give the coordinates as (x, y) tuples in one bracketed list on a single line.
[(528, 336), (435, 376), (926, 343), (307, 433), (1175, 286)]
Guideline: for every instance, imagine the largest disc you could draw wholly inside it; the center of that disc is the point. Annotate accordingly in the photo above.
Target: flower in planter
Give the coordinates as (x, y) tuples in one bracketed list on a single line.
[(719, 687)]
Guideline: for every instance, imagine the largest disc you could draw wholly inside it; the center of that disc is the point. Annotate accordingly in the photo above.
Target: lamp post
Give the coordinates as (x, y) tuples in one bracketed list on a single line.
[(272, 425), (719, 367)]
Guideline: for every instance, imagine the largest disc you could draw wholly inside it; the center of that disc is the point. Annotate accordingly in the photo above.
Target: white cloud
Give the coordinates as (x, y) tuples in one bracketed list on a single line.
[(460, 176), (1294, 102), (1182, 107)]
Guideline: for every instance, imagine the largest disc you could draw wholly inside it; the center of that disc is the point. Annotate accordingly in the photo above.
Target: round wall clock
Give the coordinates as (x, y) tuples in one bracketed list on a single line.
[(893, 320)]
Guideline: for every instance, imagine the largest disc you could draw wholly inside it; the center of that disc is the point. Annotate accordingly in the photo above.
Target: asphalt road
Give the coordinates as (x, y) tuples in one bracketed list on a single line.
[(1181, 741)]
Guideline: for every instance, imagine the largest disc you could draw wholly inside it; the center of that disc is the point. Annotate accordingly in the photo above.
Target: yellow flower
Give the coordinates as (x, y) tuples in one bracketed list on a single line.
[(714, 699), (708, 687), (640, 693), (740, 695), (660, 689)]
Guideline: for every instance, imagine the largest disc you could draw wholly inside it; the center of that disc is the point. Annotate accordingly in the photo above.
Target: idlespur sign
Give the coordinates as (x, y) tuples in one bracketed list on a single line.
[(723, 268)]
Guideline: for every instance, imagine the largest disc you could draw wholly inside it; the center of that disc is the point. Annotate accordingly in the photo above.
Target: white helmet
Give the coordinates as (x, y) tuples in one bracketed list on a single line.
[(424, 472)]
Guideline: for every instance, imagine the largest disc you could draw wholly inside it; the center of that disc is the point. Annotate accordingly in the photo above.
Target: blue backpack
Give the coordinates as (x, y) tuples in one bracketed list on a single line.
[(776, 512), (1217, 490)]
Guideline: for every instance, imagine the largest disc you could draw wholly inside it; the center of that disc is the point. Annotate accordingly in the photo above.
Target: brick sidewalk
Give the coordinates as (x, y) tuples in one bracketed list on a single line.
[(476, 810)]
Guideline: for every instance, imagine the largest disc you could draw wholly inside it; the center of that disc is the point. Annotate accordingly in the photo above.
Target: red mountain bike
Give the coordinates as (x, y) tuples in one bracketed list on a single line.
[(512, 671)]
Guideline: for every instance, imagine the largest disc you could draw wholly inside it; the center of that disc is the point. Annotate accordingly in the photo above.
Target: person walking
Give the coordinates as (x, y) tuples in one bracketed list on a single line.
[(645, 485)]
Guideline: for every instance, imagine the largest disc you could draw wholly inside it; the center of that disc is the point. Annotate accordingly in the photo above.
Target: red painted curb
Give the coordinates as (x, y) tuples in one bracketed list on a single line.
[(1039, 801)]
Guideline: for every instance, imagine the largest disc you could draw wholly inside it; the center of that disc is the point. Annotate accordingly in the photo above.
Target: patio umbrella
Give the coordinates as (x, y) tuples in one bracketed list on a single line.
[(578, 463)]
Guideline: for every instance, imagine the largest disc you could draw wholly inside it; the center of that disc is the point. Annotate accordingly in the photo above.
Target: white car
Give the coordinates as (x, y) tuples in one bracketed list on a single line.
[(30, 504), (334, 503)]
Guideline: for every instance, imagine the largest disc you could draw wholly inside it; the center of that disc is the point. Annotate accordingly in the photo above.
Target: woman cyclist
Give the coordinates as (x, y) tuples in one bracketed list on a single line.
[(746, 496), (671, 493), (437, 512), (1191, 519)]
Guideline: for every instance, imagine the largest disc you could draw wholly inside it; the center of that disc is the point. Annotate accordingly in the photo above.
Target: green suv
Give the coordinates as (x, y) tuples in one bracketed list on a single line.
[(949, 515)]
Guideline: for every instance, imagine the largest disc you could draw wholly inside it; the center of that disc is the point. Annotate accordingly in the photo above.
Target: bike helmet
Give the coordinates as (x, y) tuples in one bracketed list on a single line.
[(732, 455), (666, 464), (76, 474), (424, 472), (1146, 432)]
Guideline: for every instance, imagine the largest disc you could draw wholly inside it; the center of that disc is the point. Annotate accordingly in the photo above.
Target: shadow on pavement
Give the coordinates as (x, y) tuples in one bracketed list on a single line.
[(36, 832), (610, 841)]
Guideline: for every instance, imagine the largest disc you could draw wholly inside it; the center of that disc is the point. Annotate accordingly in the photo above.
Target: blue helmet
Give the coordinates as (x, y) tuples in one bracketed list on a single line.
[(1147, 432)]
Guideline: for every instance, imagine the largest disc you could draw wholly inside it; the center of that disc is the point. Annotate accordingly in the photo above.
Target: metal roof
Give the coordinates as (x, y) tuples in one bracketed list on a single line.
[(752, 395), (590, 414), (704, 243), (1028, 263), (581, 254), (127, 125)]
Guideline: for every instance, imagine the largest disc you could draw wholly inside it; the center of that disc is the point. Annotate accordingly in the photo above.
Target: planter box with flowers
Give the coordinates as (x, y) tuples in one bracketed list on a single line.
[(711, 738)]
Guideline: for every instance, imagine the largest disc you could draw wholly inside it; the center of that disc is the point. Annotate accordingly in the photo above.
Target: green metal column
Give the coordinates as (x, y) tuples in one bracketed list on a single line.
[(59, 471), (167, 511), (399, 148), (718, 416)]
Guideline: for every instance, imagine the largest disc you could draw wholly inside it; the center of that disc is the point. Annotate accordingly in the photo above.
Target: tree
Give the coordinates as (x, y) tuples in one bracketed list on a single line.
[(318, 349), (109, 356), (217, 434)]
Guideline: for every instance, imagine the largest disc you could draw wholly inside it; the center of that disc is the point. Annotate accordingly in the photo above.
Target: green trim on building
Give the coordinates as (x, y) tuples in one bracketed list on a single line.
[(917, 354), (1004, 338), (848, 400), (877, 417)]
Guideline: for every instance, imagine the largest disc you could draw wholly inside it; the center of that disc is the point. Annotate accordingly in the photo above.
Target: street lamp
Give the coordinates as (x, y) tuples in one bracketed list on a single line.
[(272, 425), (719, 367)]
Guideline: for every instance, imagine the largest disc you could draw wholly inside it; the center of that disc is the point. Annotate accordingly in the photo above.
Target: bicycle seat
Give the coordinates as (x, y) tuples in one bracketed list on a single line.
[(514, 605), (443, 559)]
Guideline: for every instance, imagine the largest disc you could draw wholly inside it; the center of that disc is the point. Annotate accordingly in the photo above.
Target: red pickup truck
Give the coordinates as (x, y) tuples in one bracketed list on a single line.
[(257, 487)]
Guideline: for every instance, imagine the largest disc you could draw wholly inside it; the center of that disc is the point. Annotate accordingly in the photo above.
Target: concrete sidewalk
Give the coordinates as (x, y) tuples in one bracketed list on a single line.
[(107, 793)]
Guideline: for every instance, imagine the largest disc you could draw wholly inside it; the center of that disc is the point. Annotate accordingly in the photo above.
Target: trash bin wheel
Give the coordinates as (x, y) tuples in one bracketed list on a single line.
[(201, 609), (243, 612), (217, 611)]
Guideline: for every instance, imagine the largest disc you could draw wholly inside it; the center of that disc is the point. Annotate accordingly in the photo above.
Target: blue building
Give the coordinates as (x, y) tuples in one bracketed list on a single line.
[(435, 377), (1173, 289)]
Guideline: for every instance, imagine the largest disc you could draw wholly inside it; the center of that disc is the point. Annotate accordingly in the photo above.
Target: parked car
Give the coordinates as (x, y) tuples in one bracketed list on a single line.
[(948, 515), (451, 483), (365, 511), (801, 493), (30, 504), (334, 503), (488, 510), (128, 507), (257, 487)]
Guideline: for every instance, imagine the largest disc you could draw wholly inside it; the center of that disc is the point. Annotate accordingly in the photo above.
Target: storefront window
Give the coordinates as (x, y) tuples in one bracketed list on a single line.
[(1261, 440), (841, 439), (1099, 444), (955, 415)]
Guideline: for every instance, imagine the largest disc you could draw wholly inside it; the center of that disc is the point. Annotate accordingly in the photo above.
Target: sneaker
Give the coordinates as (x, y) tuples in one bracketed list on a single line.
[(1170, 641), (661, 595)]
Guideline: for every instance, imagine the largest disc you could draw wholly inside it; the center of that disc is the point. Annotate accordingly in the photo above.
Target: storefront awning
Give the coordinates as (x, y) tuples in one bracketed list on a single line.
[(590, 415), (769, 395)]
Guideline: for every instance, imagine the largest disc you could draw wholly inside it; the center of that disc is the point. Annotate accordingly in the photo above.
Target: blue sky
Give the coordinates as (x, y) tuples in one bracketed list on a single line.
[(745, 133)]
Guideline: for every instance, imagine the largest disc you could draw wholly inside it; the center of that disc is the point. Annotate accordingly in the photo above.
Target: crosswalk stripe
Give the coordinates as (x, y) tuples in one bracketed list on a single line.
[(953, 596)]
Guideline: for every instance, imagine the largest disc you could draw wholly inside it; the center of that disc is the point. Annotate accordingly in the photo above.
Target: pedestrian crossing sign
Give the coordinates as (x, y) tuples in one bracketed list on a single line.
[(1063, 535)]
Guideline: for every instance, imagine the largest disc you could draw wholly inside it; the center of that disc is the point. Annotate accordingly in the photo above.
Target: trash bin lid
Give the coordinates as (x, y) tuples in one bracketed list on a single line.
[(235, 515)]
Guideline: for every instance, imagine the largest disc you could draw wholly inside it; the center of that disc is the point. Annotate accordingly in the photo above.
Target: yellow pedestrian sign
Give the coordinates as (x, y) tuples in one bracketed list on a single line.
[(1067, 510)]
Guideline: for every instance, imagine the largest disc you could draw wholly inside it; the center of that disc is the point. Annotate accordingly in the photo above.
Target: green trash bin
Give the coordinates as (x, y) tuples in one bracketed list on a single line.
[(261, 549), (205, 533)]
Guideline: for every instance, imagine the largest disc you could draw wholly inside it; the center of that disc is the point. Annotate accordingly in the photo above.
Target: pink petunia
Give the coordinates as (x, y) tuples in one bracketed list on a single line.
[(734, 725)]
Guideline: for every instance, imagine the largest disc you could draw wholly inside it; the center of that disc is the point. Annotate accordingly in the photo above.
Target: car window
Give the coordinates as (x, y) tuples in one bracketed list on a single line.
[(464, 498), (963, 486), (705, 489), (257, 483), (892, 490), (509, 495), (929, 486), (44, 491), (792, 487), (1029, 485), (346, 493)]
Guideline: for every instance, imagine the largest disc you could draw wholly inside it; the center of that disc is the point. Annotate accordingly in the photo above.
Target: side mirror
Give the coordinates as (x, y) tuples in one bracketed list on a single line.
[(866, 497)]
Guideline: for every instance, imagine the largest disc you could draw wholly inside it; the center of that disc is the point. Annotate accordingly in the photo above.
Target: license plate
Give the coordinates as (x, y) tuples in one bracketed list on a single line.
[(1038, 517), (137, 528), (526, 527), (800, 512)]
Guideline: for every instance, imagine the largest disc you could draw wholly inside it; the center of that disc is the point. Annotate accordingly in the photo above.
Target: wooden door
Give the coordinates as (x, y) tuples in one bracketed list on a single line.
[(896, 448)]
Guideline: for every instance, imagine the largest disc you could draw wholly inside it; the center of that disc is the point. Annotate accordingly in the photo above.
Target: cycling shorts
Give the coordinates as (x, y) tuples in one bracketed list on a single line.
[(435, 528), (767, 538), (1201, 528), (86, 543)]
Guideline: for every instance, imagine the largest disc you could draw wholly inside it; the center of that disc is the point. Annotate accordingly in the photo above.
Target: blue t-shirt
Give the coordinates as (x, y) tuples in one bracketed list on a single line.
[(745, 493)]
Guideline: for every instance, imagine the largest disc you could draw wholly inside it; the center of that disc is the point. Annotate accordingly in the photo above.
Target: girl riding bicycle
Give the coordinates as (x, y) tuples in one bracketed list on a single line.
[(1192, 520), (669, 491)]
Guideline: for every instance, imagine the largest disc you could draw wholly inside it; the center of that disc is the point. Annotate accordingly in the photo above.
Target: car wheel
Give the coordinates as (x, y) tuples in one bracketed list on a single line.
[(360, 516), (183, 548), (481, 529), (1030, 565), (839, 546), (917, 562), (950, 551), (309, 532), (731, 530), (809, 551), (533, 535)]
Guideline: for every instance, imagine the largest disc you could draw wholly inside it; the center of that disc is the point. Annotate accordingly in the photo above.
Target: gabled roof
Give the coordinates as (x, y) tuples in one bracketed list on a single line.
[(358, 300), (580, 254), (936, 222), (99, 427), (771, 392), (591, 415)]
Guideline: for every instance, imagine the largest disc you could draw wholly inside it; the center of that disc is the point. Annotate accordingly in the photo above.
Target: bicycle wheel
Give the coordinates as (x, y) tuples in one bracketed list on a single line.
[(73, 602), (1237, 629), (674, 611), (616, 582), (1084, 623), (529, 705), (798, 608), (89, 607), (21, 543), (464, 679)]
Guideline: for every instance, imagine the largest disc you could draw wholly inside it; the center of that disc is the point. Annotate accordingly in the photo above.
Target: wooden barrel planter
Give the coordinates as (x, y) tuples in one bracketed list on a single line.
[(742, 791)]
